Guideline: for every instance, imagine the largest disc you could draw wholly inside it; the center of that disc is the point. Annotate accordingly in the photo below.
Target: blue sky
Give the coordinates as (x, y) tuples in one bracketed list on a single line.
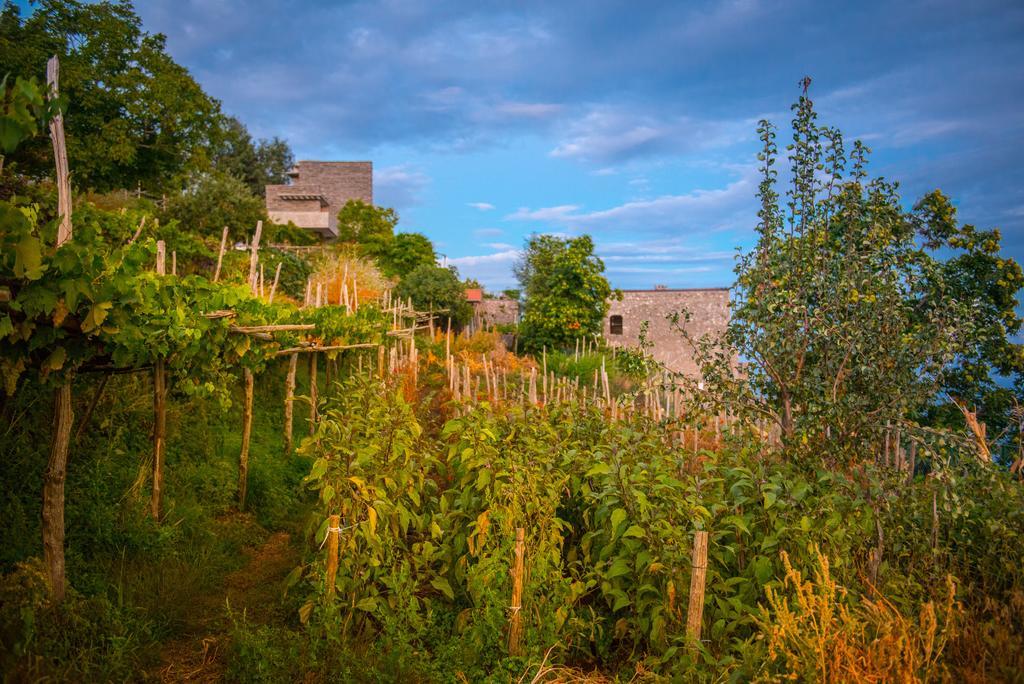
[(632, 121)]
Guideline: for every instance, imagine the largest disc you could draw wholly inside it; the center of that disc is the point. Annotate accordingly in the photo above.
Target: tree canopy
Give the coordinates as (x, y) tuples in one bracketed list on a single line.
[(134, 117), (433, 287), (407, 252), (371, 228), (565, 289)]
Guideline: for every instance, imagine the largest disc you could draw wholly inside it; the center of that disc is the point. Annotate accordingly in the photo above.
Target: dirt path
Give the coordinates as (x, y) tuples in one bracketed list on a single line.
[(198, 655)]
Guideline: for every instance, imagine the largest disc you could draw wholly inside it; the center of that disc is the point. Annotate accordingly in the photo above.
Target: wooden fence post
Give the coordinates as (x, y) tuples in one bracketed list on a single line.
[(698, 576), (220, 254), (312, 392), (243, 460), (254, 256), (333, 532), (53, 491), (159, 407), (515, 626), (289, 401)]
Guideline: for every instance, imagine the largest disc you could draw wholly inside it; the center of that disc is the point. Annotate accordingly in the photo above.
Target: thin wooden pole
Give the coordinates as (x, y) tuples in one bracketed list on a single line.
[(277, 276), (220, 254), (159, 434), (515, 627), (243, 459), (60, 155), (333, 531), (312, 392), (289, 401), (695, 614), (92, 406), (254, 256), (53, 491)]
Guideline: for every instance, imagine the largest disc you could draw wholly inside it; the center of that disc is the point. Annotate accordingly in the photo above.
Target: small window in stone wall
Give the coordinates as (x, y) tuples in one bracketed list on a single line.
[(615, 325)]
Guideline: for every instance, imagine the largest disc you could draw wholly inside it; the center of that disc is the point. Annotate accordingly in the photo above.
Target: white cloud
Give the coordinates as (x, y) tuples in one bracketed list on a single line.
[(614, 134), (700, 210), (399, 186), (482, 206)]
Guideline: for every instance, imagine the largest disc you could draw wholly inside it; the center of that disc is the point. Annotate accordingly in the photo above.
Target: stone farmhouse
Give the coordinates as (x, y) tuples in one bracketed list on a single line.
[(317, 192), (709, 309)]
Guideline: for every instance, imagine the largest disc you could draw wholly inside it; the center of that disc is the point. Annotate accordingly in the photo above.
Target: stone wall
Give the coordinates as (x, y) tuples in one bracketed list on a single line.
[(490, 312), (709, 309)]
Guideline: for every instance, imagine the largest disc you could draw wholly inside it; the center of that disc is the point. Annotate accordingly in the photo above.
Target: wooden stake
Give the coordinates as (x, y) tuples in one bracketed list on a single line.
[(53, 491), (695, 614), (277, 276), (312, 393), (515, 626), (159, 434), (60, 155), (161, 258), (254, 256), (289, 401), (333, 532), (243, 459), (220, 254), (174, 262)]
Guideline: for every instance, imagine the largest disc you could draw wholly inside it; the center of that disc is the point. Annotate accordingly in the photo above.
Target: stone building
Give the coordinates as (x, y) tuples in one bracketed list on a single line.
[(488, 313), (709, 309), (317, 191)]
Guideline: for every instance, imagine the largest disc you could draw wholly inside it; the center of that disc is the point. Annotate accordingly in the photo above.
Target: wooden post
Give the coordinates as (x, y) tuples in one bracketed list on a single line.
[(159, 407), (289, 401), (277, 276), (515, 626), (174, 262), (254, 256), (220, 255), (243, 459), (53, 491), (159, 434), (312, 392), (698, 576), (333, 531), (60, 155)]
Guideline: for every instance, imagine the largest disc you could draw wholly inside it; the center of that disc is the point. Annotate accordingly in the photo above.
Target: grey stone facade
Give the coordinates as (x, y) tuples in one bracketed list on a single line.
[(491, 312), (317, 192), (709, 309)]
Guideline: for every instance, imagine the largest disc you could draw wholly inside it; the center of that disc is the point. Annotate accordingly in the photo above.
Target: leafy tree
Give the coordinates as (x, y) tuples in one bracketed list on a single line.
[(846, 321), (511, 294), (213, 200), (406, 253), (135, 116), (433, 287), (976, 274), (566, 291), (372, 228), (257, 164)]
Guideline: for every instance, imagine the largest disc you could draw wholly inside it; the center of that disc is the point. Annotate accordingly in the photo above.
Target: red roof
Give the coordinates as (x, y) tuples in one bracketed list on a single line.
[(474, 295)]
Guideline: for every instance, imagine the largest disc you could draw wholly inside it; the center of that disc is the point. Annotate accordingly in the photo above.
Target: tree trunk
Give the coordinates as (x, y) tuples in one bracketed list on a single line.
[(159, 434), (53, 491), (289, 402), (243, 460)]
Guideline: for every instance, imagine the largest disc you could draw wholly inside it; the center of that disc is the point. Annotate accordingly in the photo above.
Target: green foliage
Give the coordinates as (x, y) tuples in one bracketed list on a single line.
[(213, 200), (435, 288), (135, 116), (24, 110), (371, 228), (258, 164), (407, 252), (566, 291), (837, 308)]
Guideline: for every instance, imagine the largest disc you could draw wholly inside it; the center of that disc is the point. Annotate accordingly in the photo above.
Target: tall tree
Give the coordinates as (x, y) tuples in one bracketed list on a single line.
[(407, 252), (255, 163), (845, 313), (371, 228), (433, 287), (565, 289), (134, 116)]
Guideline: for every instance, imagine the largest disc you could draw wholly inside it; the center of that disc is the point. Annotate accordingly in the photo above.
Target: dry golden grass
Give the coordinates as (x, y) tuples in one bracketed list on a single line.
[(815, 634)]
